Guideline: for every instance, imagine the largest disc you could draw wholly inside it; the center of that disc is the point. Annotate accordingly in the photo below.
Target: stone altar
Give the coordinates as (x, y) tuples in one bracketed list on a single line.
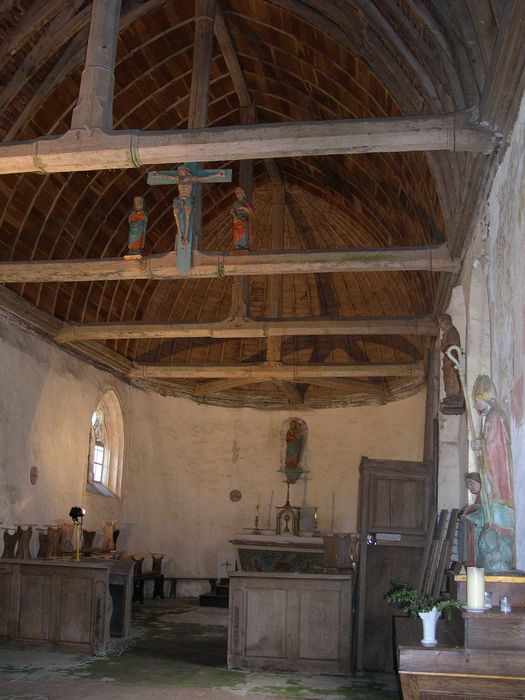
[(279, 553)]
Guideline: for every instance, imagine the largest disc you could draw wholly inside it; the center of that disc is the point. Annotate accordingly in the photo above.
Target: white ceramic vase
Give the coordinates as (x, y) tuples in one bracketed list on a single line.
[(429, 620)]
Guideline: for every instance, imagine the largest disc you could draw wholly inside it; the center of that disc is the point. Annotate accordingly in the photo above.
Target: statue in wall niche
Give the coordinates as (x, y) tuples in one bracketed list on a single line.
[(473, 520), (294, 445), (453, 403), (138, 225), (241, 212), (108, 529), (496, 547)]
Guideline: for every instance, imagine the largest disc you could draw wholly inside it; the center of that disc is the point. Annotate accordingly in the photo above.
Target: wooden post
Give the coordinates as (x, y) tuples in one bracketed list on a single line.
[(94, 108), (275, 287), (200, 85)]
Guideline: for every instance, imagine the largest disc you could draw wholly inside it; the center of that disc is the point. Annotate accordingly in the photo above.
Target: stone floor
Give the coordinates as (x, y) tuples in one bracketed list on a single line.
[(177, 651)]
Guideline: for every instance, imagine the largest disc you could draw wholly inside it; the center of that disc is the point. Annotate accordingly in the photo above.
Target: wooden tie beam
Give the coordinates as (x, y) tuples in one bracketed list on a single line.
[(207, 265), (271, 371), (251, 328), (96, 149)]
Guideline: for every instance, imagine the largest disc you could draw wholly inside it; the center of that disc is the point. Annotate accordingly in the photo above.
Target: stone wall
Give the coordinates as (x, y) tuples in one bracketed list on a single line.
[(181, 459)]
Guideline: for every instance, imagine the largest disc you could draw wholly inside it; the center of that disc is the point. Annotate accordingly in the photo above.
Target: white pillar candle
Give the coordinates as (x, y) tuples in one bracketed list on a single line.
[(475, 588)]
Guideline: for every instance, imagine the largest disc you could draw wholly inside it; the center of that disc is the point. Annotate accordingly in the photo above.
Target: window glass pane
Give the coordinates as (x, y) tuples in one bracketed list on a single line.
[(98, 462)]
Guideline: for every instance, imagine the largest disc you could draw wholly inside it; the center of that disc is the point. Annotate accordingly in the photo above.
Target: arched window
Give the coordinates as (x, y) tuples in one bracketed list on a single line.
[(106, 447)]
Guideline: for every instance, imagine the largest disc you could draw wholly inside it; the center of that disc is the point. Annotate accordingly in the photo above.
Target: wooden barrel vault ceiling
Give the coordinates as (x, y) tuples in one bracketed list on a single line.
[(352, 324)]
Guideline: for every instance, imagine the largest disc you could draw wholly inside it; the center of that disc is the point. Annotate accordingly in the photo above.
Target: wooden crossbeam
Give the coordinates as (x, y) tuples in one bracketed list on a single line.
[(275, 370), (95, 149), (401, 325), (216, 385), (352, 386), (208, 265)]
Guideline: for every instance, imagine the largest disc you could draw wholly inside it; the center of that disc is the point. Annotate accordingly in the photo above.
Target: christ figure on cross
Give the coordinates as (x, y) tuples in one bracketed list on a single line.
[(185, 175)]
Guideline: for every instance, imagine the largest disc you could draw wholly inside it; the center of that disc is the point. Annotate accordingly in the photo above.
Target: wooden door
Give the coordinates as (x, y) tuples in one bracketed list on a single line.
[(395, 501)]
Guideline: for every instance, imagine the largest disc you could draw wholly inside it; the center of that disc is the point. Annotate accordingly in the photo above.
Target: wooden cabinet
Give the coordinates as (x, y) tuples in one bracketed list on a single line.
[(453, 671), (290, 622), (395, 499), (63, 604)]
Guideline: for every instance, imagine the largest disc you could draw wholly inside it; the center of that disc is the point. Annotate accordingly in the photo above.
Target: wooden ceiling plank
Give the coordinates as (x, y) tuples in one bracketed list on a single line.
[(276, 370), (65, 65), (206, 265), (39, 14), (94, 149), (94, 108), (76, 30), (63, 27)]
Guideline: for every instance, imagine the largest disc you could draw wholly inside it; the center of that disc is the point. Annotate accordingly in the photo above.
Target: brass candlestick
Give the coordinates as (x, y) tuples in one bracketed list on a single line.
[(316, 531), (256, 530)]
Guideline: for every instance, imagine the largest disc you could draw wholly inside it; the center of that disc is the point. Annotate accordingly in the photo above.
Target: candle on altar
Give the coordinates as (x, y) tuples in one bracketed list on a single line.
[(475, 588), (270, 511)]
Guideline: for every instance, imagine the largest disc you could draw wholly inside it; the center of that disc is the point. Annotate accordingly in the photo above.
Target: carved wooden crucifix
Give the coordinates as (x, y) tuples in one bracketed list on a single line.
[(185, 176)]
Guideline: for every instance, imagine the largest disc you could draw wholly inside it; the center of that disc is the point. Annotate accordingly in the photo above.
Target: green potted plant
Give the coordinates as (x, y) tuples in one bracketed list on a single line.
[(428, 608)]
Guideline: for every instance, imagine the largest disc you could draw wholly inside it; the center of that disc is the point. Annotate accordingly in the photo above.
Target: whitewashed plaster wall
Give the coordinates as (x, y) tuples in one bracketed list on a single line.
[(181, 459), (505, 256), (453, 458)]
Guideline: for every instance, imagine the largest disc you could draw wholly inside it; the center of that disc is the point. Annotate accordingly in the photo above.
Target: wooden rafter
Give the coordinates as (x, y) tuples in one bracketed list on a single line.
[(276, 370), (85, 149), (206, 265)]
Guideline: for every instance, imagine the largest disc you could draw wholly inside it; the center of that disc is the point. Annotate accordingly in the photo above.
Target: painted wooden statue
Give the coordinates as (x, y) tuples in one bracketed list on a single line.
[(185, 176), (241, 213), (138, 224), (294, 444), (473, 519), (453, 401), (496, 548)]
